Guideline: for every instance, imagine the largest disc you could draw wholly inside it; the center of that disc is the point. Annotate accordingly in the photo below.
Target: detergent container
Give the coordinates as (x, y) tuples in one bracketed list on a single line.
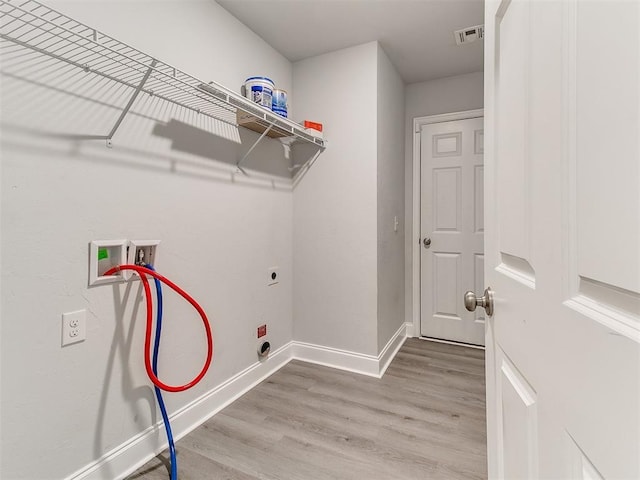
[(259, 90), (279, 102)]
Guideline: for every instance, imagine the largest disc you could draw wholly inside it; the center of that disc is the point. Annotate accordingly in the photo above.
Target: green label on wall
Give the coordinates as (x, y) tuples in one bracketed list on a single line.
[(103, 253)]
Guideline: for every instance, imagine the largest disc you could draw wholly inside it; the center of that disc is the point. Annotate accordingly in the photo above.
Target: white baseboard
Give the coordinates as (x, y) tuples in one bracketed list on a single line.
[(413, 329), (129, 456), (391, 349), (336, 358), (135, 452), (371, 365)]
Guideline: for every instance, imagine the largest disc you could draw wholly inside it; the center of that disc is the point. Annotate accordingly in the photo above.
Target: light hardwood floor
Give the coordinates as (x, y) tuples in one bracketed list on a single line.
[(425, 419)]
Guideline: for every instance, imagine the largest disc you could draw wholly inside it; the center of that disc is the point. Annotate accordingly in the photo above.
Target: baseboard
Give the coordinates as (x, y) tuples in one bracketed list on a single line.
[(391, 349), (371, 365), (132, 454), (336, 358), (413, 330), (135, 452)]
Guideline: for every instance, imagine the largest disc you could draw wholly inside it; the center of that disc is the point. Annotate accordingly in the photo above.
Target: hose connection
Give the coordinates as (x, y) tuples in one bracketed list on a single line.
[(140, 258)]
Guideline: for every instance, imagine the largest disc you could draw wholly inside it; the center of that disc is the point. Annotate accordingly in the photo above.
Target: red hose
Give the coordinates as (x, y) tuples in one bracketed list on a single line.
[(143, 272)]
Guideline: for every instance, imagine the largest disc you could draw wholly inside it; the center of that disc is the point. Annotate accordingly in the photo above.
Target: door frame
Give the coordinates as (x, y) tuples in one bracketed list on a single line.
[(418, 123)]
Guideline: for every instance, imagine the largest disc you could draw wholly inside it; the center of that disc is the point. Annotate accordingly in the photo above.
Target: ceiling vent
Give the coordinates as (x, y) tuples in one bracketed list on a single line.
[(469, 34)]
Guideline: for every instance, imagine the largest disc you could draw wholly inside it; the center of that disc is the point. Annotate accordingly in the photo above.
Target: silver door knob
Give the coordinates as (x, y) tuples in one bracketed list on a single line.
[(426, 242), (471, 301)]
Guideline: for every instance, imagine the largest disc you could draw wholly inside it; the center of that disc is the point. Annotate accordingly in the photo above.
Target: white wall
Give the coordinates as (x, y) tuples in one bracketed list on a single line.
[(197, 36), (334, 205), (445, 95), (63, 408), (390, 199)]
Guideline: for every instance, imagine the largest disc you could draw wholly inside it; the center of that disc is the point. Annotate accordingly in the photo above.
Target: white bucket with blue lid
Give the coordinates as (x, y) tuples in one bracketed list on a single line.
[(259, 90)]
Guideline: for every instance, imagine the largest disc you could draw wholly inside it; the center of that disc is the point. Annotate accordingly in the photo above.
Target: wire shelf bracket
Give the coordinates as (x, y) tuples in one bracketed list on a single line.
[(130, 102), (264, 134)]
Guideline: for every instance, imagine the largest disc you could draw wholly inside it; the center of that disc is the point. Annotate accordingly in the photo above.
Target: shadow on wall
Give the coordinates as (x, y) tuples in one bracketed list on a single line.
[(46, 107), (49, 101), (121, 344), (270, 157)]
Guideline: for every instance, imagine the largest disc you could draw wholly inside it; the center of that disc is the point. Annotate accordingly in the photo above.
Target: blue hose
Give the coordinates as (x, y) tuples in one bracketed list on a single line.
[(163, 409)]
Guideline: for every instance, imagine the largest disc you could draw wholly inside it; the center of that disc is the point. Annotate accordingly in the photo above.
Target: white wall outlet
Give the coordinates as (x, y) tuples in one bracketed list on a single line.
[(143, 252), (74, 327), (103, 255), (274, 276)]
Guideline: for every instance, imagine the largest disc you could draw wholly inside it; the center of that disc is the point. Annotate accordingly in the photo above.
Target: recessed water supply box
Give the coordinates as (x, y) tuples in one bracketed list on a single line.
[(103, 255), (143, 252)]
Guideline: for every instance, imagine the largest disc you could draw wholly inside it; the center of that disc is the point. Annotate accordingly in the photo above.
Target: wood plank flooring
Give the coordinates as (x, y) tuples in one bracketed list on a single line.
[(425, 419)]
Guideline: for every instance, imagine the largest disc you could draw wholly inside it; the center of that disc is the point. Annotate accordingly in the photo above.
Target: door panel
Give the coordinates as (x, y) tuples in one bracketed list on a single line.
[(452, 217), (562, 218), (512, 115), (478, 201), (581, 466), (478, 144), (518, 417), (447, 145), (478, 286), (447, 273), (447, 192), (605, 54)]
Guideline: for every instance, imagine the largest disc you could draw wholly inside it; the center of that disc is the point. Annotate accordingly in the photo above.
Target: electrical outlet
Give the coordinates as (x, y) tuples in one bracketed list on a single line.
[(143, 252), (274, 276), (74, 327)]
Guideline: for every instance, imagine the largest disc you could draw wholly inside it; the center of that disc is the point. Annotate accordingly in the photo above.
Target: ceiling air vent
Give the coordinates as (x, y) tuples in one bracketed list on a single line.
[(469, 34)]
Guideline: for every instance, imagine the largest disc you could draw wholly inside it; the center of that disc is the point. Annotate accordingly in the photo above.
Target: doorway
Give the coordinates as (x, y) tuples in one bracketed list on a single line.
[(448, 154)]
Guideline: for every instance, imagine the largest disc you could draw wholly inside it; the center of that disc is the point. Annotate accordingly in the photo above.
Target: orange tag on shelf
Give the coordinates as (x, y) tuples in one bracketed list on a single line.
[(314, 125)]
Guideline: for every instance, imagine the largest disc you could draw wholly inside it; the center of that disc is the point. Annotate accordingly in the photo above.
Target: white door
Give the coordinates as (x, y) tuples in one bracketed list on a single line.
[(562, 238), (451, 224)]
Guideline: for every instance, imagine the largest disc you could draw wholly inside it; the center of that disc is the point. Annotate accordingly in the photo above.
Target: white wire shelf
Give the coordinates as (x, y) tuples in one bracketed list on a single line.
[(27, 25)]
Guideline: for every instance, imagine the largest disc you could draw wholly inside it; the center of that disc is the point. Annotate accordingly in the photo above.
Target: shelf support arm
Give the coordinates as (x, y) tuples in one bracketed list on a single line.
[(254, 146), (308, 163), (130, 102), (304, 168)]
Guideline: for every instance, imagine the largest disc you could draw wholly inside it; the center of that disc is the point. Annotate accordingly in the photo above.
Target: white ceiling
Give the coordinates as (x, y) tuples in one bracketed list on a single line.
[(417, 35)]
